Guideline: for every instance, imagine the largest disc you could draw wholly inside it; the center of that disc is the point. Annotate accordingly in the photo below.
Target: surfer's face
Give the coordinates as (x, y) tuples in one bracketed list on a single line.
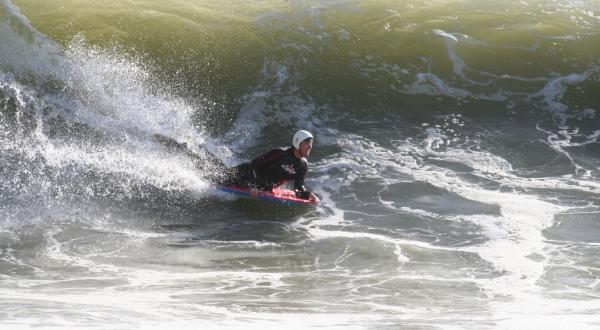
[(306, 147)]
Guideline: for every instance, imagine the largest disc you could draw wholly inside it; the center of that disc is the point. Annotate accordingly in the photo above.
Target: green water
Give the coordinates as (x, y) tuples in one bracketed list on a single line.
[(217, 50)]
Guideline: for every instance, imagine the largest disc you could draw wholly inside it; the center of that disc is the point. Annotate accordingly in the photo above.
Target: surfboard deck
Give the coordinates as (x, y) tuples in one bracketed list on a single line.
[(278, 195)]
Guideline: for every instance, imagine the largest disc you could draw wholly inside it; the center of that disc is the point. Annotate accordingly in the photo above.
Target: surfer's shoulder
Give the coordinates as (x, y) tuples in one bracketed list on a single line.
[(303, 162)]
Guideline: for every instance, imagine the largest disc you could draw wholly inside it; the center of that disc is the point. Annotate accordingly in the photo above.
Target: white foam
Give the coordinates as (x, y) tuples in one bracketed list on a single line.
[(458, 65), (162, 171), (29, 55), (108, 92), (116, 93), (555, 89), (103, 87), (430, 84), (482, 162), (514, 238), (445, 35), (280, 104)]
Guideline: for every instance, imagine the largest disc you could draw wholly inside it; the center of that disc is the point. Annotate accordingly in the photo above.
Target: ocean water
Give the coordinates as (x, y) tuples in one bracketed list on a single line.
[(457, 155)]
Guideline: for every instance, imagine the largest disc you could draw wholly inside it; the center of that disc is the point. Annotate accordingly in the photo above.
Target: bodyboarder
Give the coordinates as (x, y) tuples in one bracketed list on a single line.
[(265, 172)]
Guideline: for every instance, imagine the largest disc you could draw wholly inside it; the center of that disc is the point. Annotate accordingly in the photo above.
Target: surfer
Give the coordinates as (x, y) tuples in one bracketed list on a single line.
[(276, 167), (265, 172)]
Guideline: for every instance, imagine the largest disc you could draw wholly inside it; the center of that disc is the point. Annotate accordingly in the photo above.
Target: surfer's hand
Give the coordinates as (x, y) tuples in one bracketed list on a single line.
[(313, 198), (253, 193)]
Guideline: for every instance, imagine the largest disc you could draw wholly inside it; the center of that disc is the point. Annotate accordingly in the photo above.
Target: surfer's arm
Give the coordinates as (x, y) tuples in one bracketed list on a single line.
[(299, 188), (301, 191)]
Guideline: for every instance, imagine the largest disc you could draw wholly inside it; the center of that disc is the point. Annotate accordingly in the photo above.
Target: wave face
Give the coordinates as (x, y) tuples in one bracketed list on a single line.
[(456, 153)]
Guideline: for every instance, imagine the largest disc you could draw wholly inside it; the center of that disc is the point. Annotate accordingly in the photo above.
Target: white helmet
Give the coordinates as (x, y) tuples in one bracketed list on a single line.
[(300, 136)]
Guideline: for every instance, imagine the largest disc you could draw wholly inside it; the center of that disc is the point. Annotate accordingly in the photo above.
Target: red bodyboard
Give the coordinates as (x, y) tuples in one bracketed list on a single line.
[(283, 196)]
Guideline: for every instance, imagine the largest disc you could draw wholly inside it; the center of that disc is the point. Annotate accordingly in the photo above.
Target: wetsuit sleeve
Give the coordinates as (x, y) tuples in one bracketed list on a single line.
[(301, 192)]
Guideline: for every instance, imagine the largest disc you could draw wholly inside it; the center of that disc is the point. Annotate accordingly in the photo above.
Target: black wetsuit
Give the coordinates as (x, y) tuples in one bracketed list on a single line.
[(265, 172), (270, 170)]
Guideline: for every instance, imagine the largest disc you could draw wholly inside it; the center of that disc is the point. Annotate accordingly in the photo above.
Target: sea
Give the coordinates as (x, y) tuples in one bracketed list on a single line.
[(456, 155)]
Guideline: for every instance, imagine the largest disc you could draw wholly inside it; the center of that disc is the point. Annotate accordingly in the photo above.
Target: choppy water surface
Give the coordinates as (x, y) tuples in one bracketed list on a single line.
[(457, 156)]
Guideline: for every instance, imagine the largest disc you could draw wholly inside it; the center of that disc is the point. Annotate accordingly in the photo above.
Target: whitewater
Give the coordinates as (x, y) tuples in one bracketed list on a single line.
[(456, 154)]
